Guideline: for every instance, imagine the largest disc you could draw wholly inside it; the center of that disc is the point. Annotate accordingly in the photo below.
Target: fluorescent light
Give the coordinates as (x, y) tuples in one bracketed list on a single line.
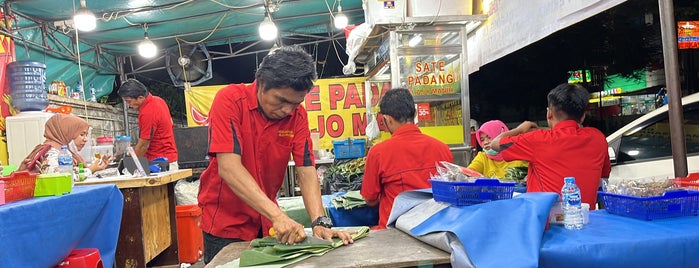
[(415, 40), (268, 31)]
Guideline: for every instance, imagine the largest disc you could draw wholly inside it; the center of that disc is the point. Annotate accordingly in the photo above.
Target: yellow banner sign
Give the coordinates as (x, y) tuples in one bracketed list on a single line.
[(336, 107)]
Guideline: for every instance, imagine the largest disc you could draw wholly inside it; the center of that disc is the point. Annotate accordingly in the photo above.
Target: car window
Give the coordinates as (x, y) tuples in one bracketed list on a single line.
[(653, 141)]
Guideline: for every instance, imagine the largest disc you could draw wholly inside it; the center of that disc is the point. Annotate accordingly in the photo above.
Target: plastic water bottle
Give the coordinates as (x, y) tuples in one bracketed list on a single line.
[(65, 161), (78, 92), (572, 205), (93, 94)]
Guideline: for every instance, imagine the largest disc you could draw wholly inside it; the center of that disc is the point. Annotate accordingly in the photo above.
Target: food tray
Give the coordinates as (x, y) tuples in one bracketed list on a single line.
[(19, 185), (471, 193), (669, 205)]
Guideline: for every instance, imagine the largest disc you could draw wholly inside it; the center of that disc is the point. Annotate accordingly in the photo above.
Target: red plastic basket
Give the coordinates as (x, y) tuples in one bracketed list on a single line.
[(690, 182), (19, 185)]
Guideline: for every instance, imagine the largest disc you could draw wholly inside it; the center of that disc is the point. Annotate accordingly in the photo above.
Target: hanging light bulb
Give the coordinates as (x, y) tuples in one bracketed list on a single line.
[(147, 48), (268, 31), (84, 19), (340, 19)]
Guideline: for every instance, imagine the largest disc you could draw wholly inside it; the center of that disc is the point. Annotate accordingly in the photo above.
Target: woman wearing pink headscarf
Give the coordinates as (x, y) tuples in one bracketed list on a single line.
[(489, 162)]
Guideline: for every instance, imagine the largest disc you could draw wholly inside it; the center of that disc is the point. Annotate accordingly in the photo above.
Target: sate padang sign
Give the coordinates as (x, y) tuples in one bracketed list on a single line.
[(431, 78), (336, 107)]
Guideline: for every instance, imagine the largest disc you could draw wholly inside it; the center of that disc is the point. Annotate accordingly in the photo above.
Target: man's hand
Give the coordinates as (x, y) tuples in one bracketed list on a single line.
[(525, 127), (328, 234), (288, 231)]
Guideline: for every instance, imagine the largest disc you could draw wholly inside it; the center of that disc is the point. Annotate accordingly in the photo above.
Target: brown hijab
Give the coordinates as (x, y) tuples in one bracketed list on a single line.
[(60, 130)]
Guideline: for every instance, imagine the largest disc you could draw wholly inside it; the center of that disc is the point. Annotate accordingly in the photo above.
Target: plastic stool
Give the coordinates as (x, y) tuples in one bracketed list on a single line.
[(82, 258)]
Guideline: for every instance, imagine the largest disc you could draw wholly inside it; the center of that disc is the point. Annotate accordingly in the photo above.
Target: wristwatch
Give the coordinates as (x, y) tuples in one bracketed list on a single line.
[(322, 221)]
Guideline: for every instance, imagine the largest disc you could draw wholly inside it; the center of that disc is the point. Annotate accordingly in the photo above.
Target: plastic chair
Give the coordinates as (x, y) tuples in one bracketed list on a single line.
[(82, 258)]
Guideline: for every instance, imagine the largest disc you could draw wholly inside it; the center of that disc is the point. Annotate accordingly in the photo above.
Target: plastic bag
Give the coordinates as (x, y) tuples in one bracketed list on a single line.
[(372, 129), (354, 43), (186, 192)]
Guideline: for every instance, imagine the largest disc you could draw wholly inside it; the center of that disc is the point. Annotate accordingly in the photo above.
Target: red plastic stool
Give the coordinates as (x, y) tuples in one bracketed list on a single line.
[(82, 258)]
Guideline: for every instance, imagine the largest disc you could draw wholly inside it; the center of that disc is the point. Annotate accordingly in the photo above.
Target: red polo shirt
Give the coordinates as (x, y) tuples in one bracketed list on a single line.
[(564, 151), (155, 124), (402, 163), (238, 126)]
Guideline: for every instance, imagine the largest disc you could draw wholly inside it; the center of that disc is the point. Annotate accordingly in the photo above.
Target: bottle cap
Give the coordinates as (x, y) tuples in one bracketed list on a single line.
[(569, 180)]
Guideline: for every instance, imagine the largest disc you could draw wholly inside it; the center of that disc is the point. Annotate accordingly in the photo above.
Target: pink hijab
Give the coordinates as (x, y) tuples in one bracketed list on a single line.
[(491, 128)]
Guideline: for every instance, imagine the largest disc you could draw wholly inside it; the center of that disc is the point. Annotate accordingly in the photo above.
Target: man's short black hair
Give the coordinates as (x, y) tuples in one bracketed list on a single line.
[(132, 88), (570, 100), (288, 66), (399, 104)]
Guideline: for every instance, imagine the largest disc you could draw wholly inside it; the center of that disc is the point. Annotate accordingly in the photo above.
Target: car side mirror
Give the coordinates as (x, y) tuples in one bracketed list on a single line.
[(612, 155)]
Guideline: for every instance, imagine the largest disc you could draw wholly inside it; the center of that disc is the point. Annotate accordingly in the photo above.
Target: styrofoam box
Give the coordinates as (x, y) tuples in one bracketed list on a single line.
[(384, 12), (422, 8), (24, 131)]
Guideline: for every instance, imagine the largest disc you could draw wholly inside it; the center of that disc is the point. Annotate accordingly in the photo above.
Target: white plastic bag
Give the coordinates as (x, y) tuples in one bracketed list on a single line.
[(354, 43), (372, 128)]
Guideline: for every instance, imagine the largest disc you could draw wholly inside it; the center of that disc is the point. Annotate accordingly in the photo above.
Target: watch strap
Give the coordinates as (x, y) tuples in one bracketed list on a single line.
[(322, 221)]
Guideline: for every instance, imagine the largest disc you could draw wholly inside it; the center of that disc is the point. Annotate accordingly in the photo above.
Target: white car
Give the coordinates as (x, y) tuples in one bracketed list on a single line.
[(642, 149)]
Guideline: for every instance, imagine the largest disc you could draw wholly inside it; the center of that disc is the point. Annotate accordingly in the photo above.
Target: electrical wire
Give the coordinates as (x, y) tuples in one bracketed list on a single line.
[(207, 36)]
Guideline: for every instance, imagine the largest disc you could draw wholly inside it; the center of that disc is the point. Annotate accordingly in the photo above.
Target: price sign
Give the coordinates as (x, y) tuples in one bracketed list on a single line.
[(423, 111)]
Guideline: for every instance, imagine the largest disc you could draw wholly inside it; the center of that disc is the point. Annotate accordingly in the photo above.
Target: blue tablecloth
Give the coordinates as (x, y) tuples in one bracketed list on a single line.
[(362, 216), (510, 233), (41, 232), (615, 241)]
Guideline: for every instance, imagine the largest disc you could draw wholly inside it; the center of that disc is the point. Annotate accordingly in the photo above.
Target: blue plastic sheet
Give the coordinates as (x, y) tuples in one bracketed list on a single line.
[(41, 232), (503, 233)]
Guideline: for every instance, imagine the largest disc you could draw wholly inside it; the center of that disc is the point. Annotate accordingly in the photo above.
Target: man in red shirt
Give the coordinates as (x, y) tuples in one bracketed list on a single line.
[(253, 129), (566, 150), (156, 137), (405, 161)]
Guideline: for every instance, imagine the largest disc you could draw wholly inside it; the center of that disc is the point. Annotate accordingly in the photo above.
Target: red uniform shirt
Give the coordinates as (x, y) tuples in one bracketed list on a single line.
[(402, 163), (567, 150), (238, 126), (155, 124)]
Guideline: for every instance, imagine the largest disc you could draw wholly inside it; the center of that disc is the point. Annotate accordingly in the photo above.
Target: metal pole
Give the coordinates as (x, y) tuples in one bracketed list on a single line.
[(122, 77), (669, 34)]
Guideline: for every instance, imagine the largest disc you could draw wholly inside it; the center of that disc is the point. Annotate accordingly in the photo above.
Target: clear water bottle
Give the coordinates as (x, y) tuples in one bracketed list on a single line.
[(65, 160), (78, 92), (93, 94), (572, 205)]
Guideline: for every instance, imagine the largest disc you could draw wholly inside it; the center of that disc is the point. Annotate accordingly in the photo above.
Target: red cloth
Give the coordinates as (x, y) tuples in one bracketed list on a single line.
[(564, 151), (237, 126), (402, 163), (155, 124)]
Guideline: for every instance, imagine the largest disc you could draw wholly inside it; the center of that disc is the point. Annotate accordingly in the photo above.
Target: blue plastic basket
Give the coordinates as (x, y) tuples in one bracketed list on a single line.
[(349, 148), (471, 193), (669, 205)]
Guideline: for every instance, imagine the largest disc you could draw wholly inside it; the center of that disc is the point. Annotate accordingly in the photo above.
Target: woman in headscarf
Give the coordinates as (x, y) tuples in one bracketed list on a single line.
[(61, 129), (489, 162)]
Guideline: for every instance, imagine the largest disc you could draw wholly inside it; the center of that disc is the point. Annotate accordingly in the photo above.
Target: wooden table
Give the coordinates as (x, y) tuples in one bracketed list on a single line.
[(384, 248), (148, 234)]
